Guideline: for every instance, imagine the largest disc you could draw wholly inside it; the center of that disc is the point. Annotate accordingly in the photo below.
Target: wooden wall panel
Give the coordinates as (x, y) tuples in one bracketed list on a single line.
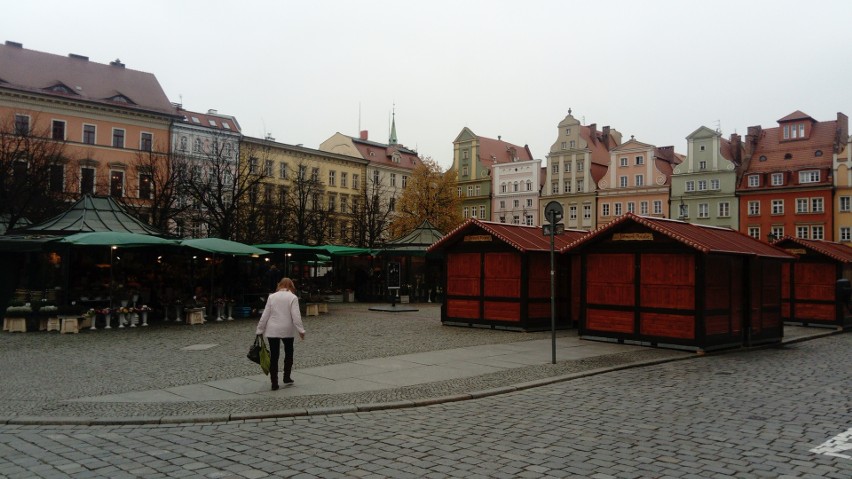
[(462, 308), (717, 281), (539, 275), (502, 311), (610, 279), (816, 312), (815, 281), (503, 275), (539, 310), (463, 274), (714, 325), (667, 325), (668, 281), (611, 321)]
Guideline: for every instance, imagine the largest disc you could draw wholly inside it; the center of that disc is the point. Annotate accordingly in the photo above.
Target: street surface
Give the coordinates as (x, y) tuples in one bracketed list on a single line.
[(777, 412)]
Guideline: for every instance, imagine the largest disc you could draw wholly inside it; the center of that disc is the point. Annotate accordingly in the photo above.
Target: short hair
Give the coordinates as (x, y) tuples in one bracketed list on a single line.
[(287, 283)]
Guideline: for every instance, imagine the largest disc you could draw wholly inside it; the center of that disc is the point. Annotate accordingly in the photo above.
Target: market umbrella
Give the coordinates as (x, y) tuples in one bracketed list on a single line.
[(335, 250), (292, 247), (221, 246)]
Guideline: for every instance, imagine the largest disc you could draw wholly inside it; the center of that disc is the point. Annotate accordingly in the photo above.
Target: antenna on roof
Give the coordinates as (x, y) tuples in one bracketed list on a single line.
[(718, 126), (359, 116)]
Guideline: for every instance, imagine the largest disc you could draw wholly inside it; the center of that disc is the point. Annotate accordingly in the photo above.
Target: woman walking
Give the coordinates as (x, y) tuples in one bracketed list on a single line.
[(280, 322)]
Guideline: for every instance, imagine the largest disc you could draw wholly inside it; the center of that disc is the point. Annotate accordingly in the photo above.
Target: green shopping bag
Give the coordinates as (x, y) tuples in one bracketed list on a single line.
[(264, 357)]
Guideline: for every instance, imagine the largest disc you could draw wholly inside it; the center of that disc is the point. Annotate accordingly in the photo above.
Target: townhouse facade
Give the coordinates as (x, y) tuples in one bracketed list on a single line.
[(843, 194), (577, 161), (638, 180), (516, 188), (473, 159), (787, 185), (109, 118), (703, 187)]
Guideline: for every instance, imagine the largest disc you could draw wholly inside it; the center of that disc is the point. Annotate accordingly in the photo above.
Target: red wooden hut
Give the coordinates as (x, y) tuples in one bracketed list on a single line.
[(813, 286), (498, 275), (669, 283)]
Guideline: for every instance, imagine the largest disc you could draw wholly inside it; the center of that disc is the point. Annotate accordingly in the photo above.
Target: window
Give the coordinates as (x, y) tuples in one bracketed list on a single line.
[(87, 181), (817, 232), (404, 181), (714, 185), (56, 180), (516, 220), (566, 186), (777, 179), (640, 160), (515, 187), (482, 212), (567, 167), (754, 208), (516, 203), (580, 186), (464, 154), (845, 203), (116, 183), (587, 212), (332, 202), (703, 210), (658, 207), (605, 209), (529, 185), (502, 187), (464, 171), (809, 176), (702, 165), (801, 205), (477, 190), (470, 190), (640, 180), (315, 201), (376, 179), (344, 204), (753, 181), (845, 233), (332, 178), (777, 231), (572, 212), (554, 168), (623, 161), (684, 211), (754, 232), (117, 138), (282, 170), (315, 174), (580, 165), (146, 185), (529, 220), (253, 165), (146, 142), (89, 135), (356, 182), (643, 208), (702, 148), (617, 209), (22, 125), (529, 202), (631, 207), (571, 143), (816, 205), (564, 145), (393, 179), (459, 191), (303, 170), (554, 187), (502, 204), (268, 191), (777, 207), (702, 185), (802, 232), (622, 181), (57, 130), (268, 168), (344, 176), (724, 209), (690, 185), (196, 145)]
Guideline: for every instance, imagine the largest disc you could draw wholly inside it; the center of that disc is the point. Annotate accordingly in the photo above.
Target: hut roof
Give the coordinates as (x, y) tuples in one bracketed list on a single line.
[(424, 235), (835, 251), (92, 213), (707, 239), (521, 237)]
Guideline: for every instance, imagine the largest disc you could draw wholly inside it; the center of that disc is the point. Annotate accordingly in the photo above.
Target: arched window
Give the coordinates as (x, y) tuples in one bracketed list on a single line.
[(183, 143), (515, 186), (196, 145), (529, 185)]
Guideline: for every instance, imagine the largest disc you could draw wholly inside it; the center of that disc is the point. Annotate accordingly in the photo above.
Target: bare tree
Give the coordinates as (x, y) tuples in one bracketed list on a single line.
[(305, 205), (32, 172), (157, 197), (376, 207)]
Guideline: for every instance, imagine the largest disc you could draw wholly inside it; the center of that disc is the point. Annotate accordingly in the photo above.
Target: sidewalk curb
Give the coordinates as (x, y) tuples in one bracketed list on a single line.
[(368, 407)]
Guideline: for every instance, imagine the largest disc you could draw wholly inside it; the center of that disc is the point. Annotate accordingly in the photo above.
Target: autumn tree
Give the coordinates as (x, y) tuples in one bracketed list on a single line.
[(430, 195), (32, 172)]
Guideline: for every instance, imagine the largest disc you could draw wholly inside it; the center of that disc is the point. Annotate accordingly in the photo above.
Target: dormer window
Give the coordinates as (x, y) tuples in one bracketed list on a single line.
[(794, 131), (818, 153), (753, 181), (777, 179)]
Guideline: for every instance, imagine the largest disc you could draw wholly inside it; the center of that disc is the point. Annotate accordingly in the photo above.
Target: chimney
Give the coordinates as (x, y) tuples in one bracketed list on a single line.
[(842, 133), (593, 134), (212, 112), (737, 148), (364, 135), (499, 138), (78, 57), (117, 63), (12, 44)]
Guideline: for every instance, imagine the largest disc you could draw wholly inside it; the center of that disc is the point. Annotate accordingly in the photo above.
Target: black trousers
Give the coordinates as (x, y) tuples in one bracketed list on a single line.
[(275, 351)]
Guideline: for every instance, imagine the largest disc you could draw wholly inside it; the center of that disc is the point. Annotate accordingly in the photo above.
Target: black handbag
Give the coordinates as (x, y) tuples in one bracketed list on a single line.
[(254, 350)]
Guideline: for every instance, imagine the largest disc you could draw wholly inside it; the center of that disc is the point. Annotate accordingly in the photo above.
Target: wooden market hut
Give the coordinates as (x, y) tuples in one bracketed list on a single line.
[(498, 275), (669, 283), (815, 288)]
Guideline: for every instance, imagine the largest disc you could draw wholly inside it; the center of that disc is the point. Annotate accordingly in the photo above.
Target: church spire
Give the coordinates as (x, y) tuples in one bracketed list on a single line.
[(392, 138)]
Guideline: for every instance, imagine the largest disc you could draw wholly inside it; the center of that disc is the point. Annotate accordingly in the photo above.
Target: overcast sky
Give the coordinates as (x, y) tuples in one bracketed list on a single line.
[(303, 70)]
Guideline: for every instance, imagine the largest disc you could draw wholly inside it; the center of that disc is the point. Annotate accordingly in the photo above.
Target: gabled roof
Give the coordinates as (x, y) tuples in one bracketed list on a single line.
[(76, 77), (706, 239), (802, 152), (521, 237), (92, 213), (493, 151), (424, 235), (835, 251), (796, 115), (382, 154), (210, 120)]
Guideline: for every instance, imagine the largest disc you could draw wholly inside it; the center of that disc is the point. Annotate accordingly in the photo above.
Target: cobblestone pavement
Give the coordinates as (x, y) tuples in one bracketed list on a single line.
[(746, 414)]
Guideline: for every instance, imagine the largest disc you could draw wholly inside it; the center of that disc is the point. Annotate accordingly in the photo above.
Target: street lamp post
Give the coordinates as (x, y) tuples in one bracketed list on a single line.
[(553, 214)]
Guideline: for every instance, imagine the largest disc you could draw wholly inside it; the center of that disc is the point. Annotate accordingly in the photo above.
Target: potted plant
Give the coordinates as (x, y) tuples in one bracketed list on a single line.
[(404, 293), (16, 316)]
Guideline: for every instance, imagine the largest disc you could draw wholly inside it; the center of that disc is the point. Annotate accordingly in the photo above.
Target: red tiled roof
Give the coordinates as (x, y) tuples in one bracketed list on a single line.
[(597, 149), (493, 151), (204, 119), (707, 239), (796, 115), (771, 146), (383, 154), (835, 251), (79, 78), (521, 237)]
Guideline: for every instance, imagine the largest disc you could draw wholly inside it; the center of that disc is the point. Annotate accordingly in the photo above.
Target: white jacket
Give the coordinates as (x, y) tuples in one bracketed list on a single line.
[(281, 317)]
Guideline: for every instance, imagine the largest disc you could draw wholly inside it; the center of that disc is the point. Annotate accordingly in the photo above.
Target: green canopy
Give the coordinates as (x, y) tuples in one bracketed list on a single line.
[(222, 246), (292, 247), (335, 250), (115, 238)]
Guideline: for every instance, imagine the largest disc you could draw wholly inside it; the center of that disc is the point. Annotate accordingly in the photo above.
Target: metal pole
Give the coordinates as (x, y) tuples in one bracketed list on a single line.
[(552, 290)]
